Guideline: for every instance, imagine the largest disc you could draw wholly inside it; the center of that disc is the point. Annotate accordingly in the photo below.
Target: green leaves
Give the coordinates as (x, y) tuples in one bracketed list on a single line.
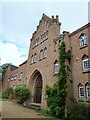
[(22, 94), (57, 94)]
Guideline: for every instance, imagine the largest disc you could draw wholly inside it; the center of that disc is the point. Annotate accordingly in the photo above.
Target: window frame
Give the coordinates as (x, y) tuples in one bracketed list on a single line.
[(83, 40), (85, 67), (20, 76), (87, 95), (45, 52), (81, 87), (55, 68), (41, 55)]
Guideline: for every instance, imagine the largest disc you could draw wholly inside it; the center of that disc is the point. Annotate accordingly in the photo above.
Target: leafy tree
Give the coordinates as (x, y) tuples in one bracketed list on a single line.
[(4, 68)]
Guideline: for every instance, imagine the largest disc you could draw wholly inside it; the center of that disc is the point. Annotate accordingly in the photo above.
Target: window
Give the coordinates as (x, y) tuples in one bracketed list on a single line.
[(45, 53), (81, 90), (15, 77), (41, 54), (56, 67), (20, 76), (34, 58), (46, 35), (12, 78), (83, 40), (86, 64), (88, 90)]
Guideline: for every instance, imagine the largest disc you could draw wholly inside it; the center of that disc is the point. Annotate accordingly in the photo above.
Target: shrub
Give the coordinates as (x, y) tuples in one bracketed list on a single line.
[(7, 92), (21, 93), (78, 110)]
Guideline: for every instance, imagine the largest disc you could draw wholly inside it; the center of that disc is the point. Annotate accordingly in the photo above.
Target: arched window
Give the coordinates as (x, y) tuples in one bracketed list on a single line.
[(45, 53), (41, 54), (83, 40), (20, 77), (34, 60), (81, 90), (56, 67), (88, 90), (86, 63)]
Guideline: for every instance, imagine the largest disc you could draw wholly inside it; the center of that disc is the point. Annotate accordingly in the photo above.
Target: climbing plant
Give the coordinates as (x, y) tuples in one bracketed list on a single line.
[(56, 95)]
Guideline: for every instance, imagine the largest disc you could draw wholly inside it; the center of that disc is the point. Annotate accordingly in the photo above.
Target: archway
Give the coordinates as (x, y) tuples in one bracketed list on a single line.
[(37, 86), (38, 89)]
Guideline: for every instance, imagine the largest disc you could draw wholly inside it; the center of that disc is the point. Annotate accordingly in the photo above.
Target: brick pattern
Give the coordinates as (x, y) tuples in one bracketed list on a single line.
[(45, 67)]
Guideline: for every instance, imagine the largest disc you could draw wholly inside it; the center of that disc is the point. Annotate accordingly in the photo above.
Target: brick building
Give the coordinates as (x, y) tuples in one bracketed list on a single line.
[(42, 64), (14, 76)]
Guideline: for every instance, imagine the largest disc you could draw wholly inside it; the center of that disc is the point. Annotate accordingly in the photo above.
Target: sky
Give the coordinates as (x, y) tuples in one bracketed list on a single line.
[(18, 21)]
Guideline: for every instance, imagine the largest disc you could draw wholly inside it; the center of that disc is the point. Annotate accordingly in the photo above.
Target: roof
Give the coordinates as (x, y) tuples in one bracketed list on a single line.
[(23, 63), (13, 67), (79, 29)]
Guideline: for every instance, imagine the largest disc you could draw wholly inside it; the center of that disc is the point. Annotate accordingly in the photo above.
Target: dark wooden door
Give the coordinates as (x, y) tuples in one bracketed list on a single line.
[(38, 90)]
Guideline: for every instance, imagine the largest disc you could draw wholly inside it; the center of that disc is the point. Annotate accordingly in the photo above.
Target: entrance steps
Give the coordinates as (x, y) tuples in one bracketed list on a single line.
[(35, 106)]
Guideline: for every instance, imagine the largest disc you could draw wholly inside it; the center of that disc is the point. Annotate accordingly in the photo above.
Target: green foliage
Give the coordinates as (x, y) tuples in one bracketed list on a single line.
[(22, 94), (45, 112), (68, 55), (57, 94), (7, 92), (4, 68), (78, 110)]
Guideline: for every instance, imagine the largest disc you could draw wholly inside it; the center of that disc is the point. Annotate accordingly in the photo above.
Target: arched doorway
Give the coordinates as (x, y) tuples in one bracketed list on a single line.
[(36, 86), (38, 89)]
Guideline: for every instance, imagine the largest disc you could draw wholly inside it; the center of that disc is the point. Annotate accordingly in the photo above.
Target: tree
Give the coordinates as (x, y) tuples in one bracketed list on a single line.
[(4, 68)]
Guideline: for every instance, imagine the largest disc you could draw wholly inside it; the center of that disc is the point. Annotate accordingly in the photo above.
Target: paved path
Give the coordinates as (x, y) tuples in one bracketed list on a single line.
[(13, 110)]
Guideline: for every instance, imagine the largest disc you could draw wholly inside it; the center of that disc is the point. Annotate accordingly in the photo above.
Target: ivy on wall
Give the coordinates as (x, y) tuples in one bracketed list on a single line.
[(56, 99)]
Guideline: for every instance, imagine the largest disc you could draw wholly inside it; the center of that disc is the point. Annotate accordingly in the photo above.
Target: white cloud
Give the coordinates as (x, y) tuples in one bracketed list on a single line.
[(9, 53)]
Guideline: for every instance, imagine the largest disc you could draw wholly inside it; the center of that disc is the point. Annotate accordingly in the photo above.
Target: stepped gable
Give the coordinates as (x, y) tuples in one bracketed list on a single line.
[(48, 21)]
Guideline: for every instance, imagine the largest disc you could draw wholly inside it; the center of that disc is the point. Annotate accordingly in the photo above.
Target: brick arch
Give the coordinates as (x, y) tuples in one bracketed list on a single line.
[(36, 86), (84, 56), (82, 34)]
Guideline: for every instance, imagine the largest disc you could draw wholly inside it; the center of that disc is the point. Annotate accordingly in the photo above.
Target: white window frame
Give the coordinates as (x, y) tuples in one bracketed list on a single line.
[(20, 77), (12, 78), (41, 54), (84, 63), (87, 87), (56, 65), (45, 53), (81, 87), (34, 58), (83, 41)]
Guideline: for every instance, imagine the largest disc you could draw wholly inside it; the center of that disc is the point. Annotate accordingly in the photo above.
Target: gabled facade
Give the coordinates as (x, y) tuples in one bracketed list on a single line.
[(42, 64)]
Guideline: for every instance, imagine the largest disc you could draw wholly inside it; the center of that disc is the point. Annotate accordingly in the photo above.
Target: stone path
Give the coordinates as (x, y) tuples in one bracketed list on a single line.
[(13, 110)]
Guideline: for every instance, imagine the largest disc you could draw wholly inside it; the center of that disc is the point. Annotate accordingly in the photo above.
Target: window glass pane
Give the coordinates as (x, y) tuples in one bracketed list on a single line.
[(86, 64), (45, 53), (56, 68), (88, 91), (81, 92), (32, 59), (20, 76), (41, 54), (83, 40)]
